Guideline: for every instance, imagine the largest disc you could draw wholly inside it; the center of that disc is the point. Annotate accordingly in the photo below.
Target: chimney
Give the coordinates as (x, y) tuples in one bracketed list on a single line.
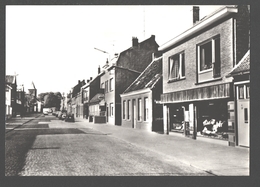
[(78, 81), (98, 69), (87, 81), (134, 41), (90, 78), (195, 14)]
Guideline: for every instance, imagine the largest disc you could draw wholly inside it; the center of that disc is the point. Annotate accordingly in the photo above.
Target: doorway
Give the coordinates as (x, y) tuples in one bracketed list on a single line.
[(243, 115)]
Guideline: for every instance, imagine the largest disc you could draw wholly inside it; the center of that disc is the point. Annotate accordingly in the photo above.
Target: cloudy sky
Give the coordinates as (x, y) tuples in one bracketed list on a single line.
[(53, 46)]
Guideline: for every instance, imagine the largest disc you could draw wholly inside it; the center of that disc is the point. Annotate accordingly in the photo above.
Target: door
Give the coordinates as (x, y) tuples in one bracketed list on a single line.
[(134, 114), (243, 114)]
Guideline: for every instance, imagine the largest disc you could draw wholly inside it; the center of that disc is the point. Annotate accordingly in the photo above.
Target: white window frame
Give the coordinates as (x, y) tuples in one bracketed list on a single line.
[(128, 109), (124, 109), (111, 84), (139, 111), (111, 109), (171, 63), (213, 51), (146, 109)]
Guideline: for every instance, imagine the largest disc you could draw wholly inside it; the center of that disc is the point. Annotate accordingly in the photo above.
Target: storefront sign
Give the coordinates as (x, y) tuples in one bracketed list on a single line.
[(210, 92)]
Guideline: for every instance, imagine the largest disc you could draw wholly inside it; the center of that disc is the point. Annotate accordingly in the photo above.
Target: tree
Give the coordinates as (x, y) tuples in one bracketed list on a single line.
[(50, 99)]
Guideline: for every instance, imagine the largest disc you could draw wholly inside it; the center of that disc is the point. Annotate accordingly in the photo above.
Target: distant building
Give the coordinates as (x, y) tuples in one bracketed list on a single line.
[(76, 99), (10, 80), (121, 72), (8, 98)]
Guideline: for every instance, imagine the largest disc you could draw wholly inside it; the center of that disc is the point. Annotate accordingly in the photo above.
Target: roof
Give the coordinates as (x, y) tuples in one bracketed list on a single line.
[(148, 78), (97, 98), (10, 79), (140, 44), (203, 23), (243, 67)]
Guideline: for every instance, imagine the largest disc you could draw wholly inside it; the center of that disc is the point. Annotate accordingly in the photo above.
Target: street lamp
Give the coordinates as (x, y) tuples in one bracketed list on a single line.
[(103, 52)]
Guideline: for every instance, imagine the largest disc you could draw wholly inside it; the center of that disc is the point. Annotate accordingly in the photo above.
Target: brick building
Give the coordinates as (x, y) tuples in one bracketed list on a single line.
[(196, 90), (120, 73)]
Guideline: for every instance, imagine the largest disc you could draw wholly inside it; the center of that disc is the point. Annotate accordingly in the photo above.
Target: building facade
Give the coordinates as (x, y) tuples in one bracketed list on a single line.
[(8, 106), (196, 90), (139, 107), (118, 75), (76, 105), (240, 108), (10, 80)]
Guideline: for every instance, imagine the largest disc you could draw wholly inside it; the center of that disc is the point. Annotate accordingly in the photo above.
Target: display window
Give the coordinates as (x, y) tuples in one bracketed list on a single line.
[(212, 119)]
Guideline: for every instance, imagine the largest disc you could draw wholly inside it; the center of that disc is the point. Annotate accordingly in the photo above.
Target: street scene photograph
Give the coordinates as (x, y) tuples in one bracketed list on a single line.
[(120, 90)]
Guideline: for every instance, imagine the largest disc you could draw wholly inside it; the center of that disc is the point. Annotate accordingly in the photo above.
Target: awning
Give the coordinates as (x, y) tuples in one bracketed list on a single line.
[(219, 91)]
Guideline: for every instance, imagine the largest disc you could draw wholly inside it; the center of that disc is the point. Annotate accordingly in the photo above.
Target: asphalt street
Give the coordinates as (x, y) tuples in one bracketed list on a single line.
[(46, 146)]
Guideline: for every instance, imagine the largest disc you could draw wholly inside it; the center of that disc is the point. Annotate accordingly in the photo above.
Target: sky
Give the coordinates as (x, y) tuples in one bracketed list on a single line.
[(53, 45)]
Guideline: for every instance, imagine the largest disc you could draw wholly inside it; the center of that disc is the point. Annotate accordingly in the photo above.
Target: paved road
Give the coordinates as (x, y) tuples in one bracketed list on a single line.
[(49, 147)]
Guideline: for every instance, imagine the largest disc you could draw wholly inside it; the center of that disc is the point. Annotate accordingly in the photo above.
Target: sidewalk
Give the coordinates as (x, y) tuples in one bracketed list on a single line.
[(15, 122), (210, 156)]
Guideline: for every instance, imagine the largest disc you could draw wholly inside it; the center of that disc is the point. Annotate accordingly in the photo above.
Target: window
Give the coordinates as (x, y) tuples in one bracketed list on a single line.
[(111, 109), (241, 92), (139, 109), (111, 84), (124, 109), (247, 91), (106, 86), (146, 109), (102, 85), (209, 59), (128, 109), (177, 66)]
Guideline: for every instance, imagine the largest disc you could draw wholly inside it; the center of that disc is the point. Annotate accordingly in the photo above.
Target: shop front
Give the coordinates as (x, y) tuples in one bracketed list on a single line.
[(200, 112)]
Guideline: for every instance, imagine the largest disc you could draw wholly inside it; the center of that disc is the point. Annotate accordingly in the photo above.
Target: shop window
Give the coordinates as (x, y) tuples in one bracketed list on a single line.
[(209, 60), (139, 109), (177, 67), (146, 109), (128, 109), (124, 108), (214, 120)]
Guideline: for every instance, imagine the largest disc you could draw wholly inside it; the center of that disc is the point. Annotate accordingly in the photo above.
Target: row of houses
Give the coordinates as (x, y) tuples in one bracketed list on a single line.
[(17, 101), (197, 84)]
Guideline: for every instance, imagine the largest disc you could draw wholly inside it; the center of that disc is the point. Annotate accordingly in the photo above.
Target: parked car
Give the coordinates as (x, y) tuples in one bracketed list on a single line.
[(70, 118), (45, 111), (62, 115)]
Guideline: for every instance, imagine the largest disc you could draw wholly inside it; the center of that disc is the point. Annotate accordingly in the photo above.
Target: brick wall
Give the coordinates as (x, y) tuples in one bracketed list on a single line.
[(224, 29), (242, 31)]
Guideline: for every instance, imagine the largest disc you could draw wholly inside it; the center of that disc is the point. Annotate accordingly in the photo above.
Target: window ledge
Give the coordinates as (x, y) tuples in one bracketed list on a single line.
[(207, 81), (175, 80)]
